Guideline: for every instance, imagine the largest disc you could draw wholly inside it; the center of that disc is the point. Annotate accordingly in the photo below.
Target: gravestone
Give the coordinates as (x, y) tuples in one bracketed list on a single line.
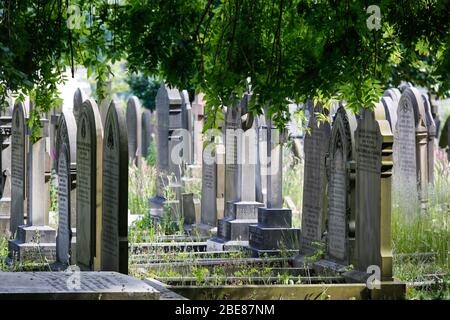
[(19, 141), (134, 129), (89, 191), (274, 233), (341, 189), (431, 136), (78, 99), (198, 109), (74, 286), (410, 173), (316, 147), (261, 161), (187, 124), (64, 235), (114, 244), (390, 109), (5, 167), (373, 192), (147, 131), (67, 134), (103, 108), (169, 119), (241, 143), (444, 139), (36, 239)]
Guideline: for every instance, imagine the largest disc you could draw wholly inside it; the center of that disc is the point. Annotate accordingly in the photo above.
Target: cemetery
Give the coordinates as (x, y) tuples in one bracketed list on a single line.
[(242, 152)]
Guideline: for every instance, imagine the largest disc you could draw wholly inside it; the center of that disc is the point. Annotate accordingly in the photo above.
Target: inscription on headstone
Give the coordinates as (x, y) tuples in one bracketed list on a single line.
[(64, 235)]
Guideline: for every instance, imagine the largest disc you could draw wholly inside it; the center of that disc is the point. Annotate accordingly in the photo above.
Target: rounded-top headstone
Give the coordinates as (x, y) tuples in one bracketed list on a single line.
[(147, 138), (133, 116)]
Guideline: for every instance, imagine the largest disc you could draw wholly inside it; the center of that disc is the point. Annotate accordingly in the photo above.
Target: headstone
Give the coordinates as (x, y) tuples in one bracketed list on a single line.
[(232, 178), (168, 109), (444, 139), (431, 136), (232, 230), (67, 134), (5, 173), (89, 191), (274, 233), (19, 141), (78, 99), (410, 169), (261, 161), (103, 108), (198, 109), (341, 188), (314, 185), (114, 244), (187, 124), (64, 235), (35, 239), (373, 192), (134, 129), (147, 130)]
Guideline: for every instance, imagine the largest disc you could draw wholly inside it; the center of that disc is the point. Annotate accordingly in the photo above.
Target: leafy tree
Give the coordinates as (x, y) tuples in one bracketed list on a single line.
[(144, 88)]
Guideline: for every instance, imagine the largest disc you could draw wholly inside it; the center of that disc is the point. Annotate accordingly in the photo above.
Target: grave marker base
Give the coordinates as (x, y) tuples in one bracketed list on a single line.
[(33, 242), (273, 234)]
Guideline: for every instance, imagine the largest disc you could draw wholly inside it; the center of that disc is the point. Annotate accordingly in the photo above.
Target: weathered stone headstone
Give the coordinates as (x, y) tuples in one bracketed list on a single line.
[(64, 235), (232, 174), (261, 161), (36, 239), (103, 108), (241, 142), (410, 169), (19, 141), (274, 232), (187, 124), (341, 188), (198, 109), (444, 139), (67, 134), (78, 99), (5, 165), (373, 192), (168, 109), (134, 128), (431, 130), (89, 191), (316, 147), (147, 131), (114, 244)]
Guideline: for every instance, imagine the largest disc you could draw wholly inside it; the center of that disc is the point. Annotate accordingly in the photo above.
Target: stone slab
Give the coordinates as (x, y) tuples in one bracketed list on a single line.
[(274, 238), (274, 217), (73, 286)]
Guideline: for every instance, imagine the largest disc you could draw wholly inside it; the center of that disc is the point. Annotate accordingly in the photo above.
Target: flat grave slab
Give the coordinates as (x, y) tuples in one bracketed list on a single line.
[(74, 286)]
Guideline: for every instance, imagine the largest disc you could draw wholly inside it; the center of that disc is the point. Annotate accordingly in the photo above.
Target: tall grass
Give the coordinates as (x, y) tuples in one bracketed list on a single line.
[(141, 187), (425, 232)]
